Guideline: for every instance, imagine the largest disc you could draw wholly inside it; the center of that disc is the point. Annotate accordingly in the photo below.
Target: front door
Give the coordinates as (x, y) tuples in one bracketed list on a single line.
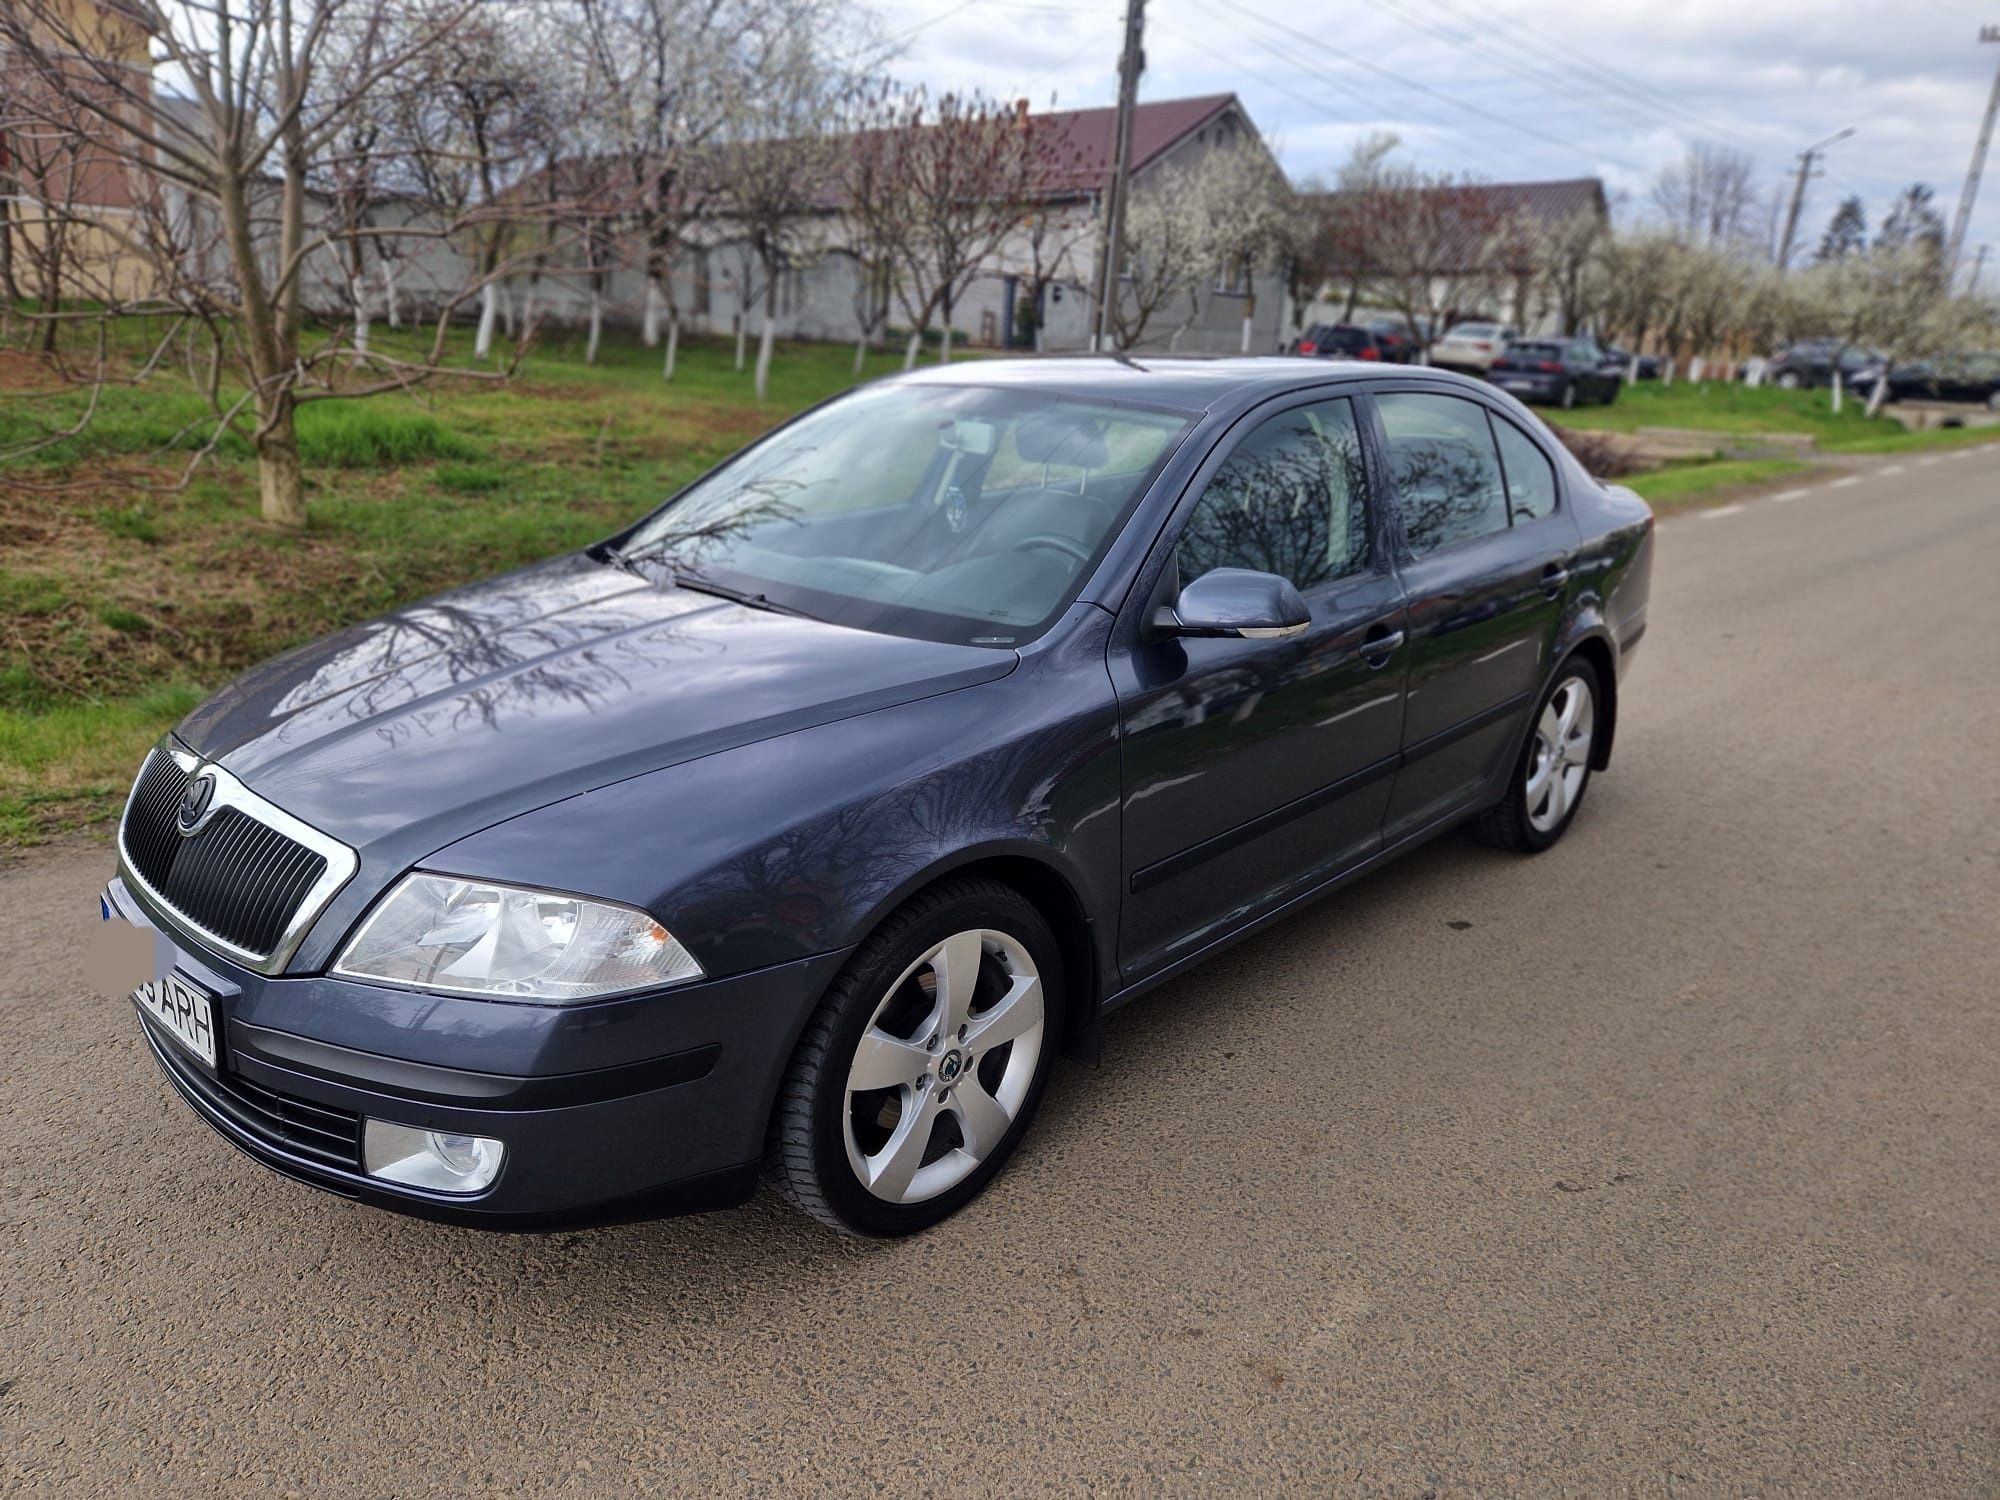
[(1255, 768), (1487, 570)]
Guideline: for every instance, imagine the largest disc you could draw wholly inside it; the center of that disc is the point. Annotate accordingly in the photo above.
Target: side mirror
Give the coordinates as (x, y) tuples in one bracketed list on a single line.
[(1235, 602)]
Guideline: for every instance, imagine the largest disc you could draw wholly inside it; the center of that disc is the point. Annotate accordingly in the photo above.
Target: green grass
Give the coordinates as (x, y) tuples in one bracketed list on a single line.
[(1739, 412), (70, 766), (1683, 484), (118, 590)]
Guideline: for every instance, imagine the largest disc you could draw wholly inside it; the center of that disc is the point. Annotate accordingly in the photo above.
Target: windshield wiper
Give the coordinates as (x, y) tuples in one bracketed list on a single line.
[(696, 584)]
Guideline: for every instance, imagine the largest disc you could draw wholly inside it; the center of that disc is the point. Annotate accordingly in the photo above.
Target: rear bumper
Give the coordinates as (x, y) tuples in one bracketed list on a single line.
[(670, 1119), (1529, 387)]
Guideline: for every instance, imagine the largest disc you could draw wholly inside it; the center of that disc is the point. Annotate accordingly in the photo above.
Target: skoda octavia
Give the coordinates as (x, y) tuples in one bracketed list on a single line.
[(794, 831)]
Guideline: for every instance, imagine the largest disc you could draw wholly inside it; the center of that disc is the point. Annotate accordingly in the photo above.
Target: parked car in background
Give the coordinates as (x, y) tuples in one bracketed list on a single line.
[(1560, 372), (1648, 365), (1338, 341), (1472, 346), (795, 829), (1397, 338), (1949, 377), (1807, 364)]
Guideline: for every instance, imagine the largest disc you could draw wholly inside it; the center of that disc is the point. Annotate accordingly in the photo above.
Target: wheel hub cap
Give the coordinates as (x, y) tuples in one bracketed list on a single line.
[(950, 1066)]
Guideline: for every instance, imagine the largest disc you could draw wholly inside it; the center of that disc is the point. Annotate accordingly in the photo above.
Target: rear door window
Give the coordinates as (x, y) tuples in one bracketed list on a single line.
[(1441, 455)]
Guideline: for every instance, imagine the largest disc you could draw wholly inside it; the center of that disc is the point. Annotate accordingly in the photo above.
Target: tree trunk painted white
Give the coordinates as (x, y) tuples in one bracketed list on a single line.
[(944, 343), (1877, 393), (489, 309), (649, 330), (596, 326), (1696, 366), (1667, 371), (506, 309), (860, 353), (765, 337), (673, 346), (742, 333), (392, 301), (1632, 371), (1753, 373), (1249, 324), (359, 286), (1836, 390), (916, 343)]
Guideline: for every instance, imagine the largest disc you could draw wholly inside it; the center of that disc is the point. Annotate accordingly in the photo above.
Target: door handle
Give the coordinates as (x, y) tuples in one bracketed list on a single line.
[(1376, 648), (1554, 576)]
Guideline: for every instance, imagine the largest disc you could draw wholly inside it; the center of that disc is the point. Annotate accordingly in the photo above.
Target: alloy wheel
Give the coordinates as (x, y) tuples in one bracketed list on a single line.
[(1561, 757), (944, 1066)]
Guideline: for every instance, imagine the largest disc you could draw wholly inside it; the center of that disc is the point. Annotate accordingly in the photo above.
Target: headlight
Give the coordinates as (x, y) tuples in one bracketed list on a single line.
[(473, 937)]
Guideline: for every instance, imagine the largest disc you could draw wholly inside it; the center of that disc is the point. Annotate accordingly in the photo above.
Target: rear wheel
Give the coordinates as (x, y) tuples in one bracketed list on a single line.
[(1554, 771), (1788, 380), (918, 1074)]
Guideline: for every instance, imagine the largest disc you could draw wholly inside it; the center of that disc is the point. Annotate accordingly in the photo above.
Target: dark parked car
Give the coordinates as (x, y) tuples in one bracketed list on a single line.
[(1339, 341), (1397, 338), (1809, 364), (797, 828), (1949, 377), (1560, 372), (1648, 366)]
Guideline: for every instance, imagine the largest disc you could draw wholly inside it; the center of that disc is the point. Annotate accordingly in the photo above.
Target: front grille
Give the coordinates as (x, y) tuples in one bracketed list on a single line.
[(315, 1132), (235, 877)]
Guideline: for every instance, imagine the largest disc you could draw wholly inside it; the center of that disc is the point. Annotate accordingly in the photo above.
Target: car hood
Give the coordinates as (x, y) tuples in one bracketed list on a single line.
[(437, 720)]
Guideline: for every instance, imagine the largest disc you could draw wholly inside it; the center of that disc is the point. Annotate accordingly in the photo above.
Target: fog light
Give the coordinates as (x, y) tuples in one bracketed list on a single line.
[(440, 1160)]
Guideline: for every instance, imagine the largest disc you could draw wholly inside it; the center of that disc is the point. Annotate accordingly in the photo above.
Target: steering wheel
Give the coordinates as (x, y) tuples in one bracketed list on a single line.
[(1056, 542)]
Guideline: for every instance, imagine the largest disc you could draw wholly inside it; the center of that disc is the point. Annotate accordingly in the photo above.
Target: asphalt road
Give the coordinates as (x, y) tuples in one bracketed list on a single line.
[(1666, 1162)]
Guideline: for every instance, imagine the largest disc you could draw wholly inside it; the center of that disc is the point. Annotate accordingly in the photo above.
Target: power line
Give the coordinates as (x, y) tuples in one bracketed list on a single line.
[(1354, 60)]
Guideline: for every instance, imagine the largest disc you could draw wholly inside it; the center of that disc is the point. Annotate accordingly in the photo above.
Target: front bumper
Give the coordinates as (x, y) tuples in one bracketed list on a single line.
[(628, 1109)]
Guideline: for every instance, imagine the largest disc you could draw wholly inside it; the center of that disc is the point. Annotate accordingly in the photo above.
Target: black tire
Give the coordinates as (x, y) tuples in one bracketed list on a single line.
[(1508, 823), (806, 1156), (1611, 392)]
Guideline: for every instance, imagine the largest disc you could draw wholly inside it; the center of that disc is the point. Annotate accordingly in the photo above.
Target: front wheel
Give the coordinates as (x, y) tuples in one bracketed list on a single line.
[(918, 1074), (1554, 770), (1788, 380)]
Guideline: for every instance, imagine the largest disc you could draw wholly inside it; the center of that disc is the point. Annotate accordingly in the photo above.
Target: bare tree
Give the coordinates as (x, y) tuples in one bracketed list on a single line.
[(967, 169), (1424, 242), (225, 222), (775, 164), (1709, 196)]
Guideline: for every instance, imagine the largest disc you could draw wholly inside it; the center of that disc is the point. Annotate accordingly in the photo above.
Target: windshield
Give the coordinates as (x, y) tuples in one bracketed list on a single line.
[(956, 513), (1473, 331)]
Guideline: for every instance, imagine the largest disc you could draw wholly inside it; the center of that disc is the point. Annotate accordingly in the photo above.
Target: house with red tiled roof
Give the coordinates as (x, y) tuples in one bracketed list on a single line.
[(717, 284), (1484, 234)]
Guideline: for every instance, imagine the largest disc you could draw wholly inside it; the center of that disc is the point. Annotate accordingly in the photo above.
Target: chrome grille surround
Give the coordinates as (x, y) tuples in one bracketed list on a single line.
[(340, 862)]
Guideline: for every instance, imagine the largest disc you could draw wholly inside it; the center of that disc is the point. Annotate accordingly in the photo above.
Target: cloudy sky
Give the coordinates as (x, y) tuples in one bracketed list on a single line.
[(1514, 89)]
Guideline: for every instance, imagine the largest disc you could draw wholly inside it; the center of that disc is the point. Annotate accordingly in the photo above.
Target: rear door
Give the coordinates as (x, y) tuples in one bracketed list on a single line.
[(1487, 549), (1256, 768)]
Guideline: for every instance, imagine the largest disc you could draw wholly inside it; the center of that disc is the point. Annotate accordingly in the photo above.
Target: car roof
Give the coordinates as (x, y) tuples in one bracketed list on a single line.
[(1185, 382)]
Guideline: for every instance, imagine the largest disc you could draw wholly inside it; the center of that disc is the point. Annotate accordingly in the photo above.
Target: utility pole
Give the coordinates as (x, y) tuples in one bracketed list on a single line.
[(1131, 63), (1806, 159), (1965, 199)]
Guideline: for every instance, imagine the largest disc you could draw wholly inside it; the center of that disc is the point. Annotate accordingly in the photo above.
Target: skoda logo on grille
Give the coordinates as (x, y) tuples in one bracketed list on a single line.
[(196, 802)]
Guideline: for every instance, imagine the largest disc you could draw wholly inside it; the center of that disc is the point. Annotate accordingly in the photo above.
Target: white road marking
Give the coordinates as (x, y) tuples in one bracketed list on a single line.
[(1892, 469), (1720, 510), (1850, 480), (1925, 463), (1784, 495)]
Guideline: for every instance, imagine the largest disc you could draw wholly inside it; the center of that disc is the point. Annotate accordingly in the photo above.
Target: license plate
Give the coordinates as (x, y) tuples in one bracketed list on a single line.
[(1516, 385), (186, 1011)]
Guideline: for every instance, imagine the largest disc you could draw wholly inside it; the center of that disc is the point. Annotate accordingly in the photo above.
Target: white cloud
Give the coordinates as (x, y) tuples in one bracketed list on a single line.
[(1613, 88)]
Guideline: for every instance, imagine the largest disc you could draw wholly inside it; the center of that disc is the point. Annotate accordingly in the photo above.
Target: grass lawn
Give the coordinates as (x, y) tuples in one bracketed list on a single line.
[(1678, 484), (1736, 411), (120, 609)]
